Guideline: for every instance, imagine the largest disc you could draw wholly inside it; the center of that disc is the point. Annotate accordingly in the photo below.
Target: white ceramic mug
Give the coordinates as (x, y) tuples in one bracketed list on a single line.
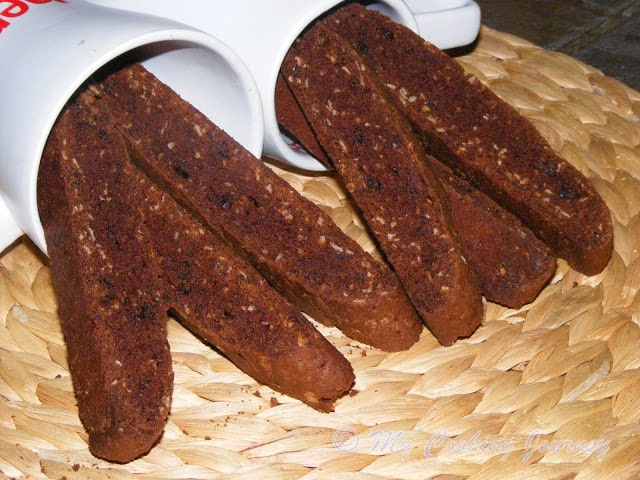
[(50, 47), (261, 32), (447, 23)]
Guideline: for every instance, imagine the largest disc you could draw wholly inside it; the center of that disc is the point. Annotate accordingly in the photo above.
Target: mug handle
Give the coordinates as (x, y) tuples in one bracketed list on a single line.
[(9, 229)]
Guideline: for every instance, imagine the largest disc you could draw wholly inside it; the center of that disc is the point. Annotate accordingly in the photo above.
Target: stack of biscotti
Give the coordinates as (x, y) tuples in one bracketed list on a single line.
[(131, 239), (483, 139), (290, 240), (366, 87), (510, 263), (123, 256)]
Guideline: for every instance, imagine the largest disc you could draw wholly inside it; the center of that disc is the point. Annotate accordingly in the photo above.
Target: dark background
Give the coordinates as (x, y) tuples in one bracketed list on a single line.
[(603, 34)]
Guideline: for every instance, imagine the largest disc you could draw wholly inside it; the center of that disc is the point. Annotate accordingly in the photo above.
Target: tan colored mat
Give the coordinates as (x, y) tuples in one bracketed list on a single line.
[(550, 391)]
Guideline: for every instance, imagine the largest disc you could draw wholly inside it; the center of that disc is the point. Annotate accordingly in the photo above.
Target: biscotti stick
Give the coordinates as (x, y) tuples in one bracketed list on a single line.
[(108, 285), (291, 241), (483, 139), (382, 165)]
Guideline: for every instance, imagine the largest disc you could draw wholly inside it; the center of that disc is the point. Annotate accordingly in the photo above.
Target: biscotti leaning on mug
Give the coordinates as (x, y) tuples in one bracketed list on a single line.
[(123, 254), (132, 241), (510, 264), (356, 79), (401, 200), (483, 139)]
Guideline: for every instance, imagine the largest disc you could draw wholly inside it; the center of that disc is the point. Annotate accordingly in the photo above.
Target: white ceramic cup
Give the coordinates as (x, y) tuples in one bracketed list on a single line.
[(447, 23), (50, 47), (261, 32)]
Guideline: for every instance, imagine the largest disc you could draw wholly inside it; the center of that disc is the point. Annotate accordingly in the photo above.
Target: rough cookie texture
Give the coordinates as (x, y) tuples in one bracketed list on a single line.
[(291, 241), (511, 264), (225, 301), (114, 326), (483, 139), (382, 165)]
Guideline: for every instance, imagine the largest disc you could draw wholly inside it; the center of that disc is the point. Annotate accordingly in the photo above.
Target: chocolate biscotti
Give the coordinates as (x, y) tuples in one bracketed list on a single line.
[(123, 254), (510, 263), (383, 167), (291, 241), (221, 298), (483, 139), (109, 289)]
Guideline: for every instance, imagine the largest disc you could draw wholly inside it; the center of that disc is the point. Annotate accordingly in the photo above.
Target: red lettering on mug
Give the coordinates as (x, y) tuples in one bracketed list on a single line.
[(17, 8)]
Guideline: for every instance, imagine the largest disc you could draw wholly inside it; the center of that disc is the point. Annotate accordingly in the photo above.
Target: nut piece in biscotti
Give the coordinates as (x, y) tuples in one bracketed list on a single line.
[(220, 297), (484, 139), (510, 263), (291, 241), (114, 328), (382, 165)]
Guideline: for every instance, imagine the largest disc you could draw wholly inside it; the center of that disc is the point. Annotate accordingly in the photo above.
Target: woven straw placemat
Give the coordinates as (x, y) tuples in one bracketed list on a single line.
[(549, 391)]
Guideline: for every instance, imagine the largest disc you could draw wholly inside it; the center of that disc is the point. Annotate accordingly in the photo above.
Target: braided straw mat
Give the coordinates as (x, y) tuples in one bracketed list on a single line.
[(549, 391)]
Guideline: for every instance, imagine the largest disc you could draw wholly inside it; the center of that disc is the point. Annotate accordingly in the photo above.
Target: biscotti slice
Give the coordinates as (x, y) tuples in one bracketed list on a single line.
[(383, 167), (483, 139), (510, 263), (290, 240), (114, 325), (220, 297)]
